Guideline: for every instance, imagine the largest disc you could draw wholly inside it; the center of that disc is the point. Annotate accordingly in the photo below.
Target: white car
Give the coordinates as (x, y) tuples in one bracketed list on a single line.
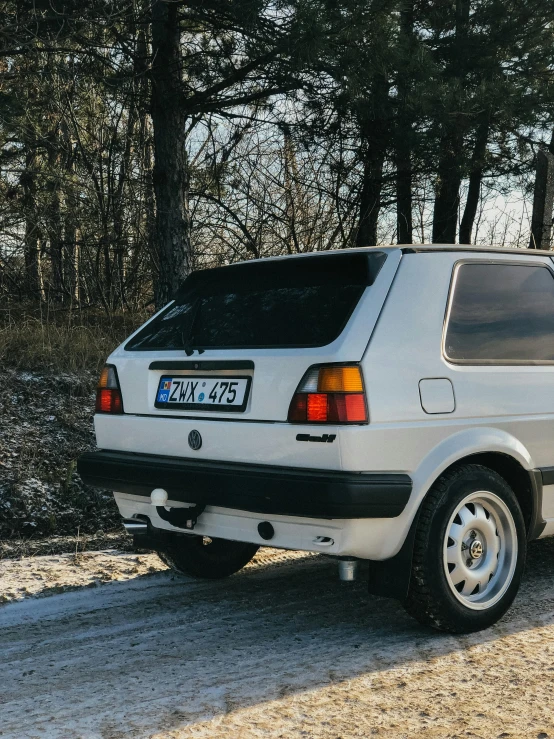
[(387, 404)]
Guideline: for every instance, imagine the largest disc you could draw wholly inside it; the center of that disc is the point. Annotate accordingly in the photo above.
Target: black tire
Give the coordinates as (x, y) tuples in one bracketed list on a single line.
[(431, 598), (212, 559)]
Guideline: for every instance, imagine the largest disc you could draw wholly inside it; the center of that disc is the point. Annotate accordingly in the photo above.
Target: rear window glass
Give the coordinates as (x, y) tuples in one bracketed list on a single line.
[(501, 314), (299, 302)]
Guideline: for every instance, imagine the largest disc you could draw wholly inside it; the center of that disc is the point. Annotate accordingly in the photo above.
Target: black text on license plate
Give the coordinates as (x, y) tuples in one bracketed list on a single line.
[(203, 393)]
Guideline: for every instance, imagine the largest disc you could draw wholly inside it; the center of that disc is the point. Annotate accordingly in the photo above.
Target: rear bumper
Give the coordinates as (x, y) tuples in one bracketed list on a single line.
[(266, 489)]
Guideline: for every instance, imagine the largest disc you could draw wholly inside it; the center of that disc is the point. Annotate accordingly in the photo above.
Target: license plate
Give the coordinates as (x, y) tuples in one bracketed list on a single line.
[(203, 393)]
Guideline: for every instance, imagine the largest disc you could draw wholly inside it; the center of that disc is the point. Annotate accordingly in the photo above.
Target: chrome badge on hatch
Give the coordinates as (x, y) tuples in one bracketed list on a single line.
[(195, 440)]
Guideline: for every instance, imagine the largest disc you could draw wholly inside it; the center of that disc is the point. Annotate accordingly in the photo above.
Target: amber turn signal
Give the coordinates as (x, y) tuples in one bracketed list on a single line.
[(340, 380)]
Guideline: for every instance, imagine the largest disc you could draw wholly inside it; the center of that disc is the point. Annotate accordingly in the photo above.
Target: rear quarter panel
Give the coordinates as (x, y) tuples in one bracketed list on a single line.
[(498, 408)]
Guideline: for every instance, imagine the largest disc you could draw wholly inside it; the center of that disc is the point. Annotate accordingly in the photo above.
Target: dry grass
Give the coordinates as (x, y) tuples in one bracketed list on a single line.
[(55, 340), (20, 547), (49, 366)]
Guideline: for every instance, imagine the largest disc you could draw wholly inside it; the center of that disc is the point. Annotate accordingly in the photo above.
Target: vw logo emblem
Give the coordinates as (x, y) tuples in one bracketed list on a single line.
[(195, 440)]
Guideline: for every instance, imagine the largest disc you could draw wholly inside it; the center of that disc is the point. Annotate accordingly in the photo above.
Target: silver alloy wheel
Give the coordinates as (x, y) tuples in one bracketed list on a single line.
[(480, 550)]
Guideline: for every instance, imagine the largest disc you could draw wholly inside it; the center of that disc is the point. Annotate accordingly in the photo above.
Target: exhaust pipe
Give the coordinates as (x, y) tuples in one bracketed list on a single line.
[(347, 569), (135, 526)]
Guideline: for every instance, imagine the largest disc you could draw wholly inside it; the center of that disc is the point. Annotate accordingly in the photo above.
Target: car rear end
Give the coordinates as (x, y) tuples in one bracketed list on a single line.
[(231, 401)]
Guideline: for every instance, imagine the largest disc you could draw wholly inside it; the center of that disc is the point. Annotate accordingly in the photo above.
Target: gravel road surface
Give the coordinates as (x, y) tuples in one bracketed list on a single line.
[(282, 649)]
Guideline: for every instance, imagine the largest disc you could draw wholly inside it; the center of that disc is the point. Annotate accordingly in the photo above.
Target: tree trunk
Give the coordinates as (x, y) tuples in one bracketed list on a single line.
[(146, 215), (120, 236), (55, 239), (404, 187), (475, 180), (171, 181), (370, 199), (375, 137), (543, 202), (403, 144), (54, 219), (70, 201), (32, 232), (447, 197), (297, 219), (105, 280), (70, 259)]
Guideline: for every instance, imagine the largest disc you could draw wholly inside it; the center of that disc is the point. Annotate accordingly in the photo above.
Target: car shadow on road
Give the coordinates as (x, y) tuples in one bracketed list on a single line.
[(175, 651)]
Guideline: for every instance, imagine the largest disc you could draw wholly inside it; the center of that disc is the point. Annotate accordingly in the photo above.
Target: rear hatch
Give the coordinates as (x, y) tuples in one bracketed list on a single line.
[(237, 340)]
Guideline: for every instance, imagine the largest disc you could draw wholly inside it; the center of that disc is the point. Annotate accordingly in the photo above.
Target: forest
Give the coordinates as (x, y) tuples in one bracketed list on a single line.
[(142, 139)]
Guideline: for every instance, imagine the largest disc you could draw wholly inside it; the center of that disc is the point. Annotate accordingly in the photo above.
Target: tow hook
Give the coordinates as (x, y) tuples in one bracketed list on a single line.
[(181, 518)]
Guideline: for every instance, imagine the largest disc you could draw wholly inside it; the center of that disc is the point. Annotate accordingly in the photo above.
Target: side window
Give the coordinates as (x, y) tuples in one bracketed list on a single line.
[(501, 314)]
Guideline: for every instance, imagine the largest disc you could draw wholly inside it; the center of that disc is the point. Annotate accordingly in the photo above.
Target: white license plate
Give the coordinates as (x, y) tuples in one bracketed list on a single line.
[(203, 393)]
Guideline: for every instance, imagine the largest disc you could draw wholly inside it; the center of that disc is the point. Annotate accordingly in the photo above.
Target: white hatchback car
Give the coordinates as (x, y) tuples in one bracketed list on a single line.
[(387, 404)]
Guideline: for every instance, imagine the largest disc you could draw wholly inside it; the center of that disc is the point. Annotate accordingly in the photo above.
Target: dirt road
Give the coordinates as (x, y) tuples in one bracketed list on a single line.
[(280, 650)]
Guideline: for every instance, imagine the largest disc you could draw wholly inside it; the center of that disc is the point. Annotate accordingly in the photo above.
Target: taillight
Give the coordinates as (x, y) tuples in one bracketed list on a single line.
[(108, 393), (330, 394)]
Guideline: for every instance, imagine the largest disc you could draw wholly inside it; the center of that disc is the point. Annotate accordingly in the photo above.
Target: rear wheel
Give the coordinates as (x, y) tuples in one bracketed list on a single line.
[(469, 551), (203, 557)]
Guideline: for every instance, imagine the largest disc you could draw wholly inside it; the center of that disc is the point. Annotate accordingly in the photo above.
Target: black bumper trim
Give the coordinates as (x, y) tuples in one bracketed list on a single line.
[(287, 491), (547, 475)]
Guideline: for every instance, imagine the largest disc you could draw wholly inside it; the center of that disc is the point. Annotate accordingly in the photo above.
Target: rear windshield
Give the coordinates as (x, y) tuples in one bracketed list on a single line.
[(299, 302)]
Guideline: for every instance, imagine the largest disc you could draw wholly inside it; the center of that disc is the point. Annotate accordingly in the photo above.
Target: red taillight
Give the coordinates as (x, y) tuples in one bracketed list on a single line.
[(343, 399), (317, 409), (108, 401), (347, 408), (108, 393)]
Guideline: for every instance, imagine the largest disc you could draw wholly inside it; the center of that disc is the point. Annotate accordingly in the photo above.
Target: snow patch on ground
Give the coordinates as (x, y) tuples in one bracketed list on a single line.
[(47, 575), (40, 576)]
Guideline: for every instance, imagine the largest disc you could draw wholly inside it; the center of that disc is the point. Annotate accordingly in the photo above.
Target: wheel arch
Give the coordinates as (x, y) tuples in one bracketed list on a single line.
[(491, 448), (526, 484)]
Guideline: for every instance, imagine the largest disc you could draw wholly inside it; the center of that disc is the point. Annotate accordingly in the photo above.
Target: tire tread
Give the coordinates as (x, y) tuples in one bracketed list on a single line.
[(423, 601)]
